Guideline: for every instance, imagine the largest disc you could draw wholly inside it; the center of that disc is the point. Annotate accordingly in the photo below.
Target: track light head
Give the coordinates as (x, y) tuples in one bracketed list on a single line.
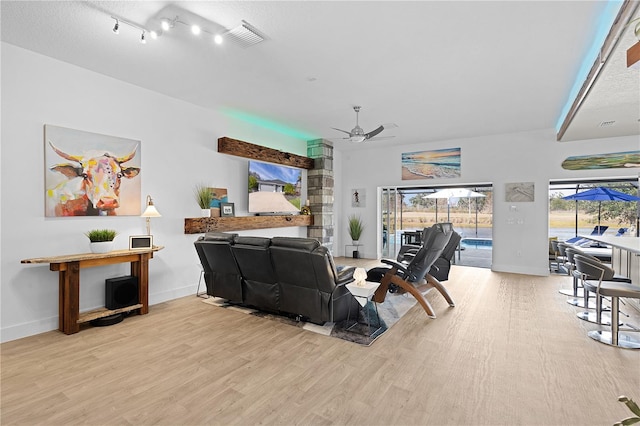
[(142, 39), (116, 27), (217, 39), (165, 24)]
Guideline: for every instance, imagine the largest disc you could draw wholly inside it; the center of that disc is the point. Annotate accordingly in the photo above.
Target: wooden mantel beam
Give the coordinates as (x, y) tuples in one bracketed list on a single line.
[(256, 152)]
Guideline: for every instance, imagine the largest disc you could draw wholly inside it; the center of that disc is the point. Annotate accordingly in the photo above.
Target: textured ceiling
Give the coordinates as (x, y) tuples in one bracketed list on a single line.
[(612, 106), (439, 70)]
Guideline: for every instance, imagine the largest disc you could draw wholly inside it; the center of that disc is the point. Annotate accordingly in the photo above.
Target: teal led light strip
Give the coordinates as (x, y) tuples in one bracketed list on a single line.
[(604, 26), (268, 124)]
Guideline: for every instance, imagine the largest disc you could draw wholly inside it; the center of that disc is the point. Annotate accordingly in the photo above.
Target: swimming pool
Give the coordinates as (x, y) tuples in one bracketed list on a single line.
[(479, 243)]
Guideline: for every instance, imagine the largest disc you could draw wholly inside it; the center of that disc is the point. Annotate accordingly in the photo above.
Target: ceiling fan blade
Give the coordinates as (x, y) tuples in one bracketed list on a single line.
[(389, 125), (379, 138), (343, 131), (374, 132)]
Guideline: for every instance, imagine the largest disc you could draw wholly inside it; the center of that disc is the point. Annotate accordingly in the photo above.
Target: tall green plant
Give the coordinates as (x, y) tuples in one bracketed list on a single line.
[(203, 196), (355, 227)]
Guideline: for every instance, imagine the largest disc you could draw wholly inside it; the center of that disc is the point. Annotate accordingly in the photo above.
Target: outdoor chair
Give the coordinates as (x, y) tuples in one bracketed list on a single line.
[(622, 231), (597, 230)]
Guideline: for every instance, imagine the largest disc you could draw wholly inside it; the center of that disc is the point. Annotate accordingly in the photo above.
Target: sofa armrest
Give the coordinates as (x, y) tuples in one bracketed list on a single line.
[(345, 275)]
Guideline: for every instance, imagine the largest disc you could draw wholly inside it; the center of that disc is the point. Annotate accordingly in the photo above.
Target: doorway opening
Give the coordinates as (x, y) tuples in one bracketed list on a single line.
[(570, 218), (406, 211)]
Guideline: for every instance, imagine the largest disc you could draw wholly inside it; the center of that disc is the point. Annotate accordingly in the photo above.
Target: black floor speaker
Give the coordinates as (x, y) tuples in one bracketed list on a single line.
[(121, 292)]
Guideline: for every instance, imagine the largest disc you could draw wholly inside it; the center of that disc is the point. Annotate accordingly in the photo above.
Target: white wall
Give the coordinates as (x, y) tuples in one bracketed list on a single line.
[(179, 144), (179, 149), (497, 159)]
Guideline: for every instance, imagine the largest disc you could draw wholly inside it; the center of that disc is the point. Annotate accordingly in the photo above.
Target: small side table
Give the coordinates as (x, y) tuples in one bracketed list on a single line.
[(356, 252), (363, 295)]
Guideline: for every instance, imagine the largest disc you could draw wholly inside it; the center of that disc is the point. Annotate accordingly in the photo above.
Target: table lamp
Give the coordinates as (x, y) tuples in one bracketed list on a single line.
[(150, 212), (360, 275)]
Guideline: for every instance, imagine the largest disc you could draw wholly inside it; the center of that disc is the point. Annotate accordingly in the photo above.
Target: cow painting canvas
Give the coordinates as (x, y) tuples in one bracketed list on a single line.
[(89, 174)]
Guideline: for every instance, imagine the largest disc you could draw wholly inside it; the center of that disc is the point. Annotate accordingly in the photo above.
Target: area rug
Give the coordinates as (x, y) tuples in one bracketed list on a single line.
[(364, 331)]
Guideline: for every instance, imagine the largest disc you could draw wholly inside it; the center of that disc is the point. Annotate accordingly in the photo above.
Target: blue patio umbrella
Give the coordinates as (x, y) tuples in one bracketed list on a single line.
[(600, 194)]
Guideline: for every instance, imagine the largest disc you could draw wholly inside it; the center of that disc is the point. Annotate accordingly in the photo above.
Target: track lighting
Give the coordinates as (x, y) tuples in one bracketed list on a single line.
[(244, 34), (143, 40), (166, 24)]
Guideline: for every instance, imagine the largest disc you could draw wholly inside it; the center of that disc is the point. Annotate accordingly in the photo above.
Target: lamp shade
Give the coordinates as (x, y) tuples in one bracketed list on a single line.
[(151, 210)]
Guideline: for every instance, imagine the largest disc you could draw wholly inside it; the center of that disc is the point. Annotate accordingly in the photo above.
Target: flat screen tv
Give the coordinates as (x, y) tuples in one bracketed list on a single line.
[(274, 189)]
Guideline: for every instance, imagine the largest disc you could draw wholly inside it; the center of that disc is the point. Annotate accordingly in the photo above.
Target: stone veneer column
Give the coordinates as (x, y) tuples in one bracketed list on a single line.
[(320, 191)]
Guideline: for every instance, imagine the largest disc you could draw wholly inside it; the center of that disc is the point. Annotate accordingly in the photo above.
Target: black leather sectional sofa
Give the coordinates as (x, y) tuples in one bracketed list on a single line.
[(281, 274)]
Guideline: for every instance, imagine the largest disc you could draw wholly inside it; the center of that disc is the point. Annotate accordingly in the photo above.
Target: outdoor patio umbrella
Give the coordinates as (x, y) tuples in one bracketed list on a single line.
[(454, 193), (599, 194)]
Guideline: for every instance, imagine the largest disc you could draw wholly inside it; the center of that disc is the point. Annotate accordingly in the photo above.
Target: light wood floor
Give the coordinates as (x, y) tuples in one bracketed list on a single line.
[(512, 352)]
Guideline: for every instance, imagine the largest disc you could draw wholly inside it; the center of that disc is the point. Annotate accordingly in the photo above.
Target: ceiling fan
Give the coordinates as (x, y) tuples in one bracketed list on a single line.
[(358, 135)]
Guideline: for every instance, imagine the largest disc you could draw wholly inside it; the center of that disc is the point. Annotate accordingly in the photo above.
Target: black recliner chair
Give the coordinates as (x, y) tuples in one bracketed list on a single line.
[(221, 271), (442, 265), (411, 277), (260, 284), (310, 284)]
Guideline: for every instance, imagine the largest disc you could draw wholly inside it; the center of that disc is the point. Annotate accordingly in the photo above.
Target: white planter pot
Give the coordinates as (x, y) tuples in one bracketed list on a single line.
[(101, 247), (355, 242), (205, 212)]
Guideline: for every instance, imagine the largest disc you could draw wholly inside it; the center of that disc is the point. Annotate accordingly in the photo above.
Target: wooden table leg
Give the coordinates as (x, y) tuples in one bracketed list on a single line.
[(69, 295), (140, 269)]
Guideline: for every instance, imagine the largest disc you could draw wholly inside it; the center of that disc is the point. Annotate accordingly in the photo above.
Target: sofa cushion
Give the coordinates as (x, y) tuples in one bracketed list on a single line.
[(218, 236), (304, 244)]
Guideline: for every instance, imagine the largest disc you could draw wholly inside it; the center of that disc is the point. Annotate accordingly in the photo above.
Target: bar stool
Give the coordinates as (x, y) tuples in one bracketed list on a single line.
[(578, 293), (568, 264), (554, 255), (607, 288), (594, 317)]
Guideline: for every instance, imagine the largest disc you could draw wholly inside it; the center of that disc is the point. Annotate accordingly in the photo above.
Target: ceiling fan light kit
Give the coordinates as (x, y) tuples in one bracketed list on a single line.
[(357, 135)]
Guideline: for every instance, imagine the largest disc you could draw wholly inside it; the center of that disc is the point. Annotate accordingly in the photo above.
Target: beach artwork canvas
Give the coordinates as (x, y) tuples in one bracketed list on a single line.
[(440, 163)]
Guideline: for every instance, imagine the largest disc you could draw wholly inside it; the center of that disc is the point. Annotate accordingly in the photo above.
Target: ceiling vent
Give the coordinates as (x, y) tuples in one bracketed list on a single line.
[(245, 35), (607, 123)]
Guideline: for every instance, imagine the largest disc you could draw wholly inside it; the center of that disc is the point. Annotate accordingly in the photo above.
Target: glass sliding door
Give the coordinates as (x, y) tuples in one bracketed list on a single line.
[(391, 218)]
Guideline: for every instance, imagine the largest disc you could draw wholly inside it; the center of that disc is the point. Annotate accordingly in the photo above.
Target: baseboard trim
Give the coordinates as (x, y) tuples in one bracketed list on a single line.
[(520, 270), (31, 328)]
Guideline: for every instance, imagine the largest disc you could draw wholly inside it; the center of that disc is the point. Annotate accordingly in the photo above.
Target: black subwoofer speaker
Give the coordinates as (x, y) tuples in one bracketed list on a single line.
[(121, 292)]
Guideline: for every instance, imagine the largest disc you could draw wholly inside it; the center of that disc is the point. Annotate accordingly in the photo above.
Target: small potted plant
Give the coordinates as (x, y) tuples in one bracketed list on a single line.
[(204, 196), (101, 240), (355, 228)]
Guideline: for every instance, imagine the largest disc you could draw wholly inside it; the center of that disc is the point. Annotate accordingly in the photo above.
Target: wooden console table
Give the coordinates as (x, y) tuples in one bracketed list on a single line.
[(68, 267)]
